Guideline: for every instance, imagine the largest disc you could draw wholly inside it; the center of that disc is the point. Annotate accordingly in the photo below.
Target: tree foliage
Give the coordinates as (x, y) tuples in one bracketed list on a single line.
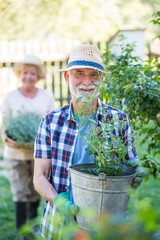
[(156, 20), (134, 87), (73, 19)]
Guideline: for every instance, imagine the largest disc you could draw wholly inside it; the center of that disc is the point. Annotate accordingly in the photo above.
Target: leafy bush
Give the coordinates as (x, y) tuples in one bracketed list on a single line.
[(134, 87), (23, 127)]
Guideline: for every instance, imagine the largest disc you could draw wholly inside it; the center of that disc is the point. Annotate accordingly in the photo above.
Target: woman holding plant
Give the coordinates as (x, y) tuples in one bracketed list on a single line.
[(25, 101), (60, 139)]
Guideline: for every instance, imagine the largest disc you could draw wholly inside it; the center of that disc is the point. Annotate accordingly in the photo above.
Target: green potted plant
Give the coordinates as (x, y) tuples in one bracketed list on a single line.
[(102, 186), (21, 130)]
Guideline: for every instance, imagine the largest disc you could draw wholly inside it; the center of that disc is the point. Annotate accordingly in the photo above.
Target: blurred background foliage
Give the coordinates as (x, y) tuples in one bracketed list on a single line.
[(95, 20)]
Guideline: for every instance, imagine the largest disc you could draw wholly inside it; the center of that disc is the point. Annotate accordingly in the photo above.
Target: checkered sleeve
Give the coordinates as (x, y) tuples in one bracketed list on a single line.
[(42, 146), (131, 153)]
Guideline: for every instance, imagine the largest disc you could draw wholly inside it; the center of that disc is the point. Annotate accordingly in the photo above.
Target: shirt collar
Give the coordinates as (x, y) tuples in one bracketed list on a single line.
[(70, 112), (103, 111), (98, 112), (100, 108)]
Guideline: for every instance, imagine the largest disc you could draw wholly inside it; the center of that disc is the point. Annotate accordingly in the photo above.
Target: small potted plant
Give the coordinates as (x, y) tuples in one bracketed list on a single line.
[(21, 130), (103, 186)]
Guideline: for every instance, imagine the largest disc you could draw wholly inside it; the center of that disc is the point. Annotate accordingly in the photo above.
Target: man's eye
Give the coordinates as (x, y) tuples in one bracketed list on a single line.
[(95, 75), (80, 74)]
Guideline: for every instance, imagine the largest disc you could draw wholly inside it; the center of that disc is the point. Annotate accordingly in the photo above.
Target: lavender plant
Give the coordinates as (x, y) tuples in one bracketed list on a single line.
[(23, 127)]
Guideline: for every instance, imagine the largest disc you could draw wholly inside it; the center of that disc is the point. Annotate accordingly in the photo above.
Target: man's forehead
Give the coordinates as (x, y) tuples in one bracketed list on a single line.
[(90, 70)]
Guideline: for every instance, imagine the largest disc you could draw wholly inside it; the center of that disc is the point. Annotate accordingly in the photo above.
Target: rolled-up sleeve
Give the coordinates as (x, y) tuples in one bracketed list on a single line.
[(42, 146)]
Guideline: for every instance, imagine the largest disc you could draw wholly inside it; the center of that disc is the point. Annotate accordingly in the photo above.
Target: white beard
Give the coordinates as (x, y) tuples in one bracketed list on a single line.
[(78, 92)]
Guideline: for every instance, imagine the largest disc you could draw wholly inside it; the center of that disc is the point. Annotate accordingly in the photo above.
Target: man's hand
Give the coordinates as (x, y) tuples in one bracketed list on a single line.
[(140, 173), (66, 207)]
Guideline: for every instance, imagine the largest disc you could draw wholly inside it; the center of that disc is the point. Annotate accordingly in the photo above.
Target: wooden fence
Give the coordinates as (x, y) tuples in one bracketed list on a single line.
[(54, 58), (54, 80)]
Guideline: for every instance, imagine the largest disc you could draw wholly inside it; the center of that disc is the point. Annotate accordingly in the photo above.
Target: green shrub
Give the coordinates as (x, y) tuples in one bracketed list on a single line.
[(23, 127), (134, 87)]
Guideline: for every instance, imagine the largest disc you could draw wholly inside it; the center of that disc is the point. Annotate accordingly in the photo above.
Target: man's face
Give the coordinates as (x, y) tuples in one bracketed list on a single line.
[(83, 82)]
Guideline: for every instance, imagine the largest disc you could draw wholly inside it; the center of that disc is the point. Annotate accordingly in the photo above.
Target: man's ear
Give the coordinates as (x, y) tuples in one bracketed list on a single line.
[(66, 77)]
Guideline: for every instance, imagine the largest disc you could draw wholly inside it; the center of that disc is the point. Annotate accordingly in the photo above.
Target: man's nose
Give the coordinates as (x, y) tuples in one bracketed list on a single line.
[(87, 80)]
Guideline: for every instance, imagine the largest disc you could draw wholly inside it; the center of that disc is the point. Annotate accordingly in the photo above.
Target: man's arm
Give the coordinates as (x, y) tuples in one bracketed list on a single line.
[(46, 190), (40, 179)]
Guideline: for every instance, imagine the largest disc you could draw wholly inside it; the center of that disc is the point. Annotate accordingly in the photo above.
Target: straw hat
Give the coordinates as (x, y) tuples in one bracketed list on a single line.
[(30, 60), (85, 56)]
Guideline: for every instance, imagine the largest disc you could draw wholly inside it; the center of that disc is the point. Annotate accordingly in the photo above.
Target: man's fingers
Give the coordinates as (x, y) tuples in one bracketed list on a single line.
[(141, 174), (137, 180), (135, 185), (74, 209)]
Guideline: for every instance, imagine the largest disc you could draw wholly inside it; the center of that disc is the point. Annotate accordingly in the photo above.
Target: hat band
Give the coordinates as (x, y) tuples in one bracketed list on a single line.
[(85, 63)]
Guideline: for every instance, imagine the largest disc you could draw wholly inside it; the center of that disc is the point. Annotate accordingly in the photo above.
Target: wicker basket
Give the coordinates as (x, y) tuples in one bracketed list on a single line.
[(11, 143)]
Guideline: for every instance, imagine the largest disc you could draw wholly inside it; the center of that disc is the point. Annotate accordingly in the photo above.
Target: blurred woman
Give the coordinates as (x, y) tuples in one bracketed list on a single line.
[(19, 163)]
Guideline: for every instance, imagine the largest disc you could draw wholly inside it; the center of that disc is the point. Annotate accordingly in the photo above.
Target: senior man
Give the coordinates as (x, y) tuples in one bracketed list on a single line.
[(60, 137)]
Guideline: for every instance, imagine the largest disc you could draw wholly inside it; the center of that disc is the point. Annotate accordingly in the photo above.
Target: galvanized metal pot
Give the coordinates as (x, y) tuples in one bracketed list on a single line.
[(103, 194)]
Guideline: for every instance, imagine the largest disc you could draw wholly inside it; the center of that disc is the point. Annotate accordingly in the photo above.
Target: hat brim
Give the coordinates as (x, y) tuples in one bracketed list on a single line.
[(84, 64), (75, 67), (41, 68)]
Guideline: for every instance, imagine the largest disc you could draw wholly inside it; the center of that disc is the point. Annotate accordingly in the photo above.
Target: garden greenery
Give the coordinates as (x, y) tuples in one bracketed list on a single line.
[(105, 141), (23, 127), (156, 20), (134, 87), (108, 149)]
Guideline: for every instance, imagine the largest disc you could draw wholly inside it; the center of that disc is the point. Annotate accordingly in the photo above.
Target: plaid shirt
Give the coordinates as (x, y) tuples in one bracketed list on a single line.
[(56, 140)]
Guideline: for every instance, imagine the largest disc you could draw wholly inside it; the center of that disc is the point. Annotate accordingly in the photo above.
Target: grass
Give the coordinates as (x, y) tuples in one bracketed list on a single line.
[(7, 214), (7, 218)]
